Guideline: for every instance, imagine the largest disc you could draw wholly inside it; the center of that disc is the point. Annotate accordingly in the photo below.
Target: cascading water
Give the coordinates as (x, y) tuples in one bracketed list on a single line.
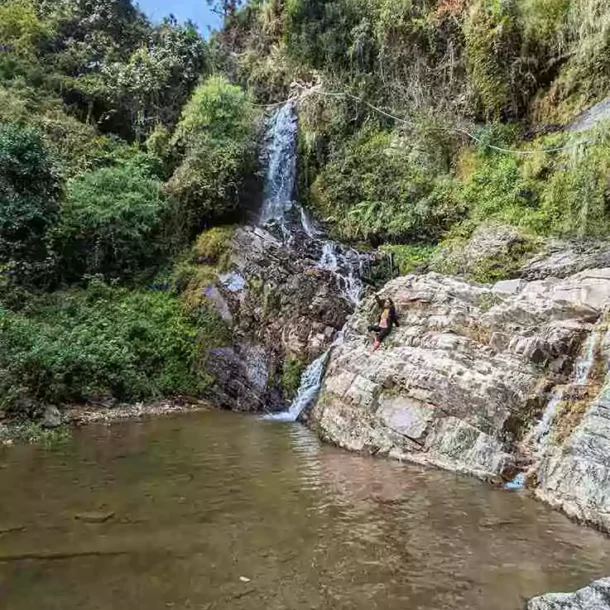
[(540, 436), (281, 166), (329, 260), (307, 393), (585, 361), (345, 264)]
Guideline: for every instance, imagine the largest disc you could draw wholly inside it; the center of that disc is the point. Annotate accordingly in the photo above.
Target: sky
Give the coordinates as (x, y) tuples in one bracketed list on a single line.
[(197, 11)]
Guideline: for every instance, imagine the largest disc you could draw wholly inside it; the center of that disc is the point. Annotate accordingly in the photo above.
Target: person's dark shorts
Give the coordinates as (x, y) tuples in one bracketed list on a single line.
[(382, 333)]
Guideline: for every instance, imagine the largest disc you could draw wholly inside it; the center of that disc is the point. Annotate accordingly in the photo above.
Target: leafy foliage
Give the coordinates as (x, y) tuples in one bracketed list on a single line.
[(217, 133), (95, 344), (109, 223), (377, 189), (29, 198)]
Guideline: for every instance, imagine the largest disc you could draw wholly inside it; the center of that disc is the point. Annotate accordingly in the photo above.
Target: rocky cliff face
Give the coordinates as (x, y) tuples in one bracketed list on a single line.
[(485, 380), (284, 310)]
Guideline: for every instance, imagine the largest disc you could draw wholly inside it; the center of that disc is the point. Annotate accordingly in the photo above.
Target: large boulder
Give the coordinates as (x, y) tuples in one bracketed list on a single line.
[(494, 251), (594, 597), (560, 259), (466, 377)]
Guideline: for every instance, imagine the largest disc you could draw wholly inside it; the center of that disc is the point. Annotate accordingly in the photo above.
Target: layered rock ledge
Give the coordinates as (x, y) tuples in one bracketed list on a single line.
[(486, 380)]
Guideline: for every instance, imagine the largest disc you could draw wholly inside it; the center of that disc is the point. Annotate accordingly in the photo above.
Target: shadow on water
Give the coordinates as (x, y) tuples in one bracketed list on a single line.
[(226, 512)]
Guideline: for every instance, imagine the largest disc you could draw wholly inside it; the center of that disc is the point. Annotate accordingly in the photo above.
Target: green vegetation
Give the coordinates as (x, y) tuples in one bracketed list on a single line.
[(291, 377), (109, 223), (443, 66), (117, 147), (93, 344), (128, 151), (217, 134)]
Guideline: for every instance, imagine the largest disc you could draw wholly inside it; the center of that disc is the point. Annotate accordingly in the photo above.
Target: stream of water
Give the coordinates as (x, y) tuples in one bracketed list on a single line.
[(226, 512), (344, 263)]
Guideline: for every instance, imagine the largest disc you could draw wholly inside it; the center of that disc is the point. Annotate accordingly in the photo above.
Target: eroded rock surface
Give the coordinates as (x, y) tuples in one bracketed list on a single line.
[(466, 380), (282, 307), (594, 597)]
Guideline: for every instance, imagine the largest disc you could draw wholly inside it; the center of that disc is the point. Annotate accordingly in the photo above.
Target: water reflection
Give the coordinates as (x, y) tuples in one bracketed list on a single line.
[(201, 501)]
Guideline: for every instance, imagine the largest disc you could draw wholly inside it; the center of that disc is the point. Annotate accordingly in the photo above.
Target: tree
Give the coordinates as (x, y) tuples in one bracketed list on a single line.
[(153, 85), (217, 136), (109, 222), (225, 8), (30, 188)]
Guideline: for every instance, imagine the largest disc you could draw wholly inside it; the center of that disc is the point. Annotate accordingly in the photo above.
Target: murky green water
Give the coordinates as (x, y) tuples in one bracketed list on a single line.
[(200, 501)]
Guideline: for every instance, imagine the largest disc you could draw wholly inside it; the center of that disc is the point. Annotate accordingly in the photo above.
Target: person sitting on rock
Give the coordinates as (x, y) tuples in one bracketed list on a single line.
[(387, 321)]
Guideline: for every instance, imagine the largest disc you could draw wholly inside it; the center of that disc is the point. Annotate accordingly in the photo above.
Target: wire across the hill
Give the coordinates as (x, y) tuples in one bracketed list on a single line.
[(457, 130)]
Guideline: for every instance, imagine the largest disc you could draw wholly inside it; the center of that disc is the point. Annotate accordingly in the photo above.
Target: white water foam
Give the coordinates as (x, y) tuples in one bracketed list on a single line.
[(281, 166), (308, 391)]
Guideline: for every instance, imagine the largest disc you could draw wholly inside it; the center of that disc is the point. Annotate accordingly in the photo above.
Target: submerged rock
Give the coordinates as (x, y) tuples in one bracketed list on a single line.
[(465, 379), (594, 597), (94, 516)]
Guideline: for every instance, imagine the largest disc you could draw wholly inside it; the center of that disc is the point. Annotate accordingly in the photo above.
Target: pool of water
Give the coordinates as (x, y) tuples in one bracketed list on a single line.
[(227, 512)]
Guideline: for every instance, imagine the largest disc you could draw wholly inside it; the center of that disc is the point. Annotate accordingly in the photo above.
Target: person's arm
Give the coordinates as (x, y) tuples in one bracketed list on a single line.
[(379, 300)]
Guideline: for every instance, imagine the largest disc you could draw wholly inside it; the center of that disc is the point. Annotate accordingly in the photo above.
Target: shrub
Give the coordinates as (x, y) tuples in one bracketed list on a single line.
[(410, 258), (99, 343), (376, 190), (564, 193), (109, 223), (30, 188), (216, 132), (292, 372)]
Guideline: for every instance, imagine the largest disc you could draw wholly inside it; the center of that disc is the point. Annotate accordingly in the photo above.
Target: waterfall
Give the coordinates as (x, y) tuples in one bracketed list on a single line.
[(281, 166), (543, 427), (345, 264), (307, 224), (540, 436), (308, 391), (328, 260), (585, 360), (346, 267)]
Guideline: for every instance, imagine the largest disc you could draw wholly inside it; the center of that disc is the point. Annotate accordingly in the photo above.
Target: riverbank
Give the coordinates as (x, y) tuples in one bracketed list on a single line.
[(30, 431)]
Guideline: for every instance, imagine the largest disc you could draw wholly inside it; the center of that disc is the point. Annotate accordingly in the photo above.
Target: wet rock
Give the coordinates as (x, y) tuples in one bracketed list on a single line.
[(592, 117), (11, 529), (94, 516), (242, 378), (594, 597), (461, 381), (281, 307), (51, 417)]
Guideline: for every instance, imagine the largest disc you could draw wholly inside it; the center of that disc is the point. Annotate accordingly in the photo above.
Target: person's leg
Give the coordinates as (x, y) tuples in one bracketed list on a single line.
[(381, 335), (374, 328)]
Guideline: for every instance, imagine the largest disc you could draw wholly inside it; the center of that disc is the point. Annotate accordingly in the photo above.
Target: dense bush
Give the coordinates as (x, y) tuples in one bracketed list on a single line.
[(29, 199), (563, 193), (99, 343), (217, 134), (377, 189), (110, 223)]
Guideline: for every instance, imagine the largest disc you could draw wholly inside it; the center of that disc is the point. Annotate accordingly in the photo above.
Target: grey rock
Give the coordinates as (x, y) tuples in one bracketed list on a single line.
[(464, 378), (592, 117), (561, 259), (280, 307), (594, 597), (51, 417), (490, 244)]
